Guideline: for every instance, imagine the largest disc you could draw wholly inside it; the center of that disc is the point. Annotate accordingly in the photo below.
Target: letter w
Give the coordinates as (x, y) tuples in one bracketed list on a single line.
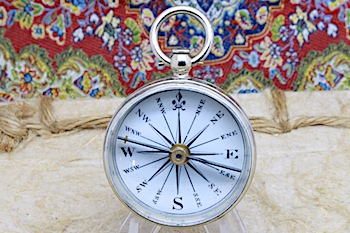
[(127, 151)]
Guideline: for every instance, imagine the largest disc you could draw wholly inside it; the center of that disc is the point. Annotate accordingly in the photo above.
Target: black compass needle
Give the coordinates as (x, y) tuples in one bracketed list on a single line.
[(152, 152), (204, 143), (208, 163), (196, 170), (161, 135), (171, 133), (197, 136), (142, 144), (178, 174), (162, 168), (200, 154), (166, 179), (179, 126), (152, 141), (188, 175), (189, 130), (152, 162)]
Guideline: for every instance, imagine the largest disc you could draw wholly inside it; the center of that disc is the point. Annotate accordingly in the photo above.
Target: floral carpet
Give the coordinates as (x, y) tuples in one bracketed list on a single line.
[(93, 49)]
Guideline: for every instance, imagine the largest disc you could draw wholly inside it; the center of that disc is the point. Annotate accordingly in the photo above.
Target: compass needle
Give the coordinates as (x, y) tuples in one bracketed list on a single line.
[(154, 141), (204, 143), (206, 162), (189, 130), (171, 133), (178, 174), (179, 126), (166, 179), (197, 136), (161, 135), (179, 151), (141, 144), (152, 162), (205, 153), (197, 170), (162, 168), (189, 178)]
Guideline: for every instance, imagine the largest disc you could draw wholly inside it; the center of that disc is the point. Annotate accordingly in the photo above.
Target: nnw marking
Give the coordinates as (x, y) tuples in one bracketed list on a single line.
[(160, 105)]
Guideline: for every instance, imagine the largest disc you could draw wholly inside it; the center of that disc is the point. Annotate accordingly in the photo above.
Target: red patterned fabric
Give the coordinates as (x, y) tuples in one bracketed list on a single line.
[(78, 48)]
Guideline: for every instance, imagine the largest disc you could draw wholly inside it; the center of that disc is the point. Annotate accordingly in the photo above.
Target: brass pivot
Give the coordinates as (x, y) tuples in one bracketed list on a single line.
[(179, 154)]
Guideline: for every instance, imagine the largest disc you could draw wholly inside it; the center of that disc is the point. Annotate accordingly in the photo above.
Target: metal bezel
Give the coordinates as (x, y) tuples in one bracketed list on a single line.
[(159, 217)]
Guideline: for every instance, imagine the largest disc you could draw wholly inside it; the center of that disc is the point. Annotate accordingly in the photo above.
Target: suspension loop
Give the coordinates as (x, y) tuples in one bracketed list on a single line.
[(209, 34)]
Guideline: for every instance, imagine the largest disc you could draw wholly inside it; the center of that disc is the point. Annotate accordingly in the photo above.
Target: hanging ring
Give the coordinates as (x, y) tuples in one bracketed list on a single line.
[(209, 34)]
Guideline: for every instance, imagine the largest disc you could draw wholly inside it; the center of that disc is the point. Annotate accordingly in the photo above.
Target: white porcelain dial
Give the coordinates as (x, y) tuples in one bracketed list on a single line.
[(179, 153)]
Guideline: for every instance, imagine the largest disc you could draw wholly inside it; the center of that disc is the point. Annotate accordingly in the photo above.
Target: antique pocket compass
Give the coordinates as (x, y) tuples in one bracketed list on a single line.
[(180, 151)]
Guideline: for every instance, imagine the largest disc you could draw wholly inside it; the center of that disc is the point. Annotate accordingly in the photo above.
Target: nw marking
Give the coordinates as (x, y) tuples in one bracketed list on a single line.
[(143, 115)]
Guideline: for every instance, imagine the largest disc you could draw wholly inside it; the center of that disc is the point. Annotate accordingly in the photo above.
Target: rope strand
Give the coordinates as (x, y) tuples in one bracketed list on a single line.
[(17, 121)]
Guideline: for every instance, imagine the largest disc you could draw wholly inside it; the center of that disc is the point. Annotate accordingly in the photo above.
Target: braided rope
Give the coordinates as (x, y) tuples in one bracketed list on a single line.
[(17, 121)]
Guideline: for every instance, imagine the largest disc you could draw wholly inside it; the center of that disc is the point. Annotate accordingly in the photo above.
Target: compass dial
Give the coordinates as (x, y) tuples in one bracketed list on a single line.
[(179, 153)]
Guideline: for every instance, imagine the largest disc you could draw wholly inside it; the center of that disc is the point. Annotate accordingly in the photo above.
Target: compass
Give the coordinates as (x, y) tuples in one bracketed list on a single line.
[(180, 151)]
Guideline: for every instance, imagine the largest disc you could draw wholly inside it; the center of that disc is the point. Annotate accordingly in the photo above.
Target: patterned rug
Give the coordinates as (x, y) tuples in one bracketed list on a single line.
[(93, 49)]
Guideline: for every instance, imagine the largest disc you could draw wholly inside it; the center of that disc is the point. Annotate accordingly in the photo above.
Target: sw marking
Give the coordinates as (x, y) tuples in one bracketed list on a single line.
[(141, 185)]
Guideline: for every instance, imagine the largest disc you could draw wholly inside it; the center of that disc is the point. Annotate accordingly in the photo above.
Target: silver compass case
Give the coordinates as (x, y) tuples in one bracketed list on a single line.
[(180, 151)]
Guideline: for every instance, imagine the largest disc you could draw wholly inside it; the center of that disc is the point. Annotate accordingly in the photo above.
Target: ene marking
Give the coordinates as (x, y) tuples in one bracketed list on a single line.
[(228, 135)]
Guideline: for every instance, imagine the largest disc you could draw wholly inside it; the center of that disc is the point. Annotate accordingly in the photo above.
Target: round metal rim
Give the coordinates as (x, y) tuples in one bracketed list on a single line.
[(209, 33), (147, 90)]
